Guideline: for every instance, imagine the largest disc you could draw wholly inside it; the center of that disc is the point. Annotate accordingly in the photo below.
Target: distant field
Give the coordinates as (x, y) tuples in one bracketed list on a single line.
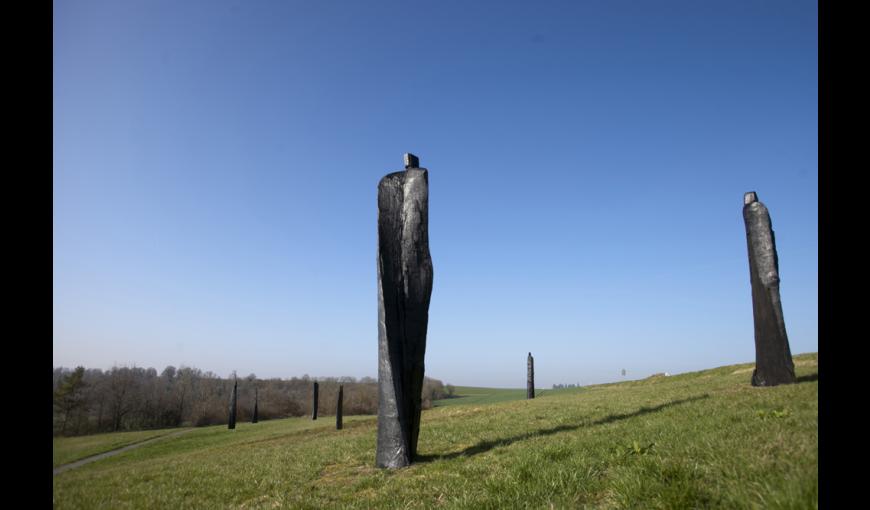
[(472, 395), (466, 395), (704, 439)]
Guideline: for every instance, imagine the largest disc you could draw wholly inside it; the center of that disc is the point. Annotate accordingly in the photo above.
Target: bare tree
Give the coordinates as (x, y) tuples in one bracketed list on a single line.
[(121, 386)]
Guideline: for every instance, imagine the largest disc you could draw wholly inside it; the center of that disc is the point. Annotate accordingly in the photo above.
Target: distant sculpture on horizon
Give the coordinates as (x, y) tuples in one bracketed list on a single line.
[(773, 361), (530, 377), (232, 421), (338, 410), (404, 289), (254, 419), (314, 405)]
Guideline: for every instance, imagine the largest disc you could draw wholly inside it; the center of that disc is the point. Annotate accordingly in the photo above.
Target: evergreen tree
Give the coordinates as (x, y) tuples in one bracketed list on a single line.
[(69, 396)]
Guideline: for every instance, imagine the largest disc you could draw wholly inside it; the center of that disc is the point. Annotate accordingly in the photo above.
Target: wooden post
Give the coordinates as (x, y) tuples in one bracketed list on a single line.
[(314, 405), (530, 377), (338, 423), (232, 422)]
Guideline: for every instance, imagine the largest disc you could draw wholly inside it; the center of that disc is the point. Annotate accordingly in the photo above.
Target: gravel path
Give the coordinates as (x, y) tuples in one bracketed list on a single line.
[(87, 460)]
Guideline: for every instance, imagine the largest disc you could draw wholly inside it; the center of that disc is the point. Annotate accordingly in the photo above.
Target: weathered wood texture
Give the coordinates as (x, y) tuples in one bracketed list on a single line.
[(404, 289), (530, 377), (773, 363)]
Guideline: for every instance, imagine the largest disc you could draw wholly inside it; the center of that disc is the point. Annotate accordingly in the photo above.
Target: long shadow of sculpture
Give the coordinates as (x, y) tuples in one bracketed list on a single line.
[(485, 446), (807, 378)]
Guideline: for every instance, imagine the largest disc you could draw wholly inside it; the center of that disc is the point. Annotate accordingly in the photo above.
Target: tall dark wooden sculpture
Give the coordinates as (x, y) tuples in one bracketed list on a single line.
[(773, 363), (404, 289), (314, 405), (338, 423), (530, 377), (256, 398), (232, 423)]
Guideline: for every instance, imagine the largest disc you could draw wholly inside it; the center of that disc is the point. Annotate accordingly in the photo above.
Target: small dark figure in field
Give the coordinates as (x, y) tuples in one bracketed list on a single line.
[(338, 407), (530, 377), (232, 422), (314, 406)]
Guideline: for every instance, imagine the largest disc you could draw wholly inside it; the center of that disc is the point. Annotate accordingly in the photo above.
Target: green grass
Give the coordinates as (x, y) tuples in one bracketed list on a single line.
[(466, 395), (71, 449), (700, 440)]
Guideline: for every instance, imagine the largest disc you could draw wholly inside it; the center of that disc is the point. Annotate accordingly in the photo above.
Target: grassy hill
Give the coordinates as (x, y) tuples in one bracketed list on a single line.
[(702, 439)]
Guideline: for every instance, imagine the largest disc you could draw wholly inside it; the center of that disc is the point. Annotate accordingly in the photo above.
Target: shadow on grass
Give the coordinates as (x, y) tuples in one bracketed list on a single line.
[(807, 378), (485, 446)]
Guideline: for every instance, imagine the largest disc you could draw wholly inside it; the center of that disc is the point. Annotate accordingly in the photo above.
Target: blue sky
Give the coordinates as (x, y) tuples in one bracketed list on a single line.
[(216, 167)]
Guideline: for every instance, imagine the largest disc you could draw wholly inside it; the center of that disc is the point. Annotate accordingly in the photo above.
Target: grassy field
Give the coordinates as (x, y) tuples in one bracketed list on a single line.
[(70, 449), (466, 395), (699, 440)]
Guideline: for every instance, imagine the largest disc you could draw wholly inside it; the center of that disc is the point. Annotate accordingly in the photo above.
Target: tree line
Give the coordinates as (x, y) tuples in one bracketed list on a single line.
[(88, 401)]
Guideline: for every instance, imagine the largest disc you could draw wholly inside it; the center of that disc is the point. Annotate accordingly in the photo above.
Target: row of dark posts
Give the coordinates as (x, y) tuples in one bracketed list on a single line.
[(339, 403), (233, 398)]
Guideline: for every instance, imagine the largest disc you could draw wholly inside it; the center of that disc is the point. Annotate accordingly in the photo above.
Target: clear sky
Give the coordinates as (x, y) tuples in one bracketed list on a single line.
[(216, 167)]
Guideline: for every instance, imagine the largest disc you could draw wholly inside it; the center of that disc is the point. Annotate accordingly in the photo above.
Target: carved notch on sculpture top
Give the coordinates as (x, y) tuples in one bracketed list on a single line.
[(750, 197), (411, 161)]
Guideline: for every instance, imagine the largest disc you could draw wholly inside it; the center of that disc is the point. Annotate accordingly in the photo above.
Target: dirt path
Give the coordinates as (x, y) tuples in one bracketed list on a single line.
[(92, 458)]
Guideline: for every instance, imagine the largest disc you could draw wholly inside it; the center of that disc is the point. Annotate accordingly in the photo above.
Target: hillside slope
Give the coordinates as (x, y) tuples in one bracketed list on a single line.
[(703, 439)]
